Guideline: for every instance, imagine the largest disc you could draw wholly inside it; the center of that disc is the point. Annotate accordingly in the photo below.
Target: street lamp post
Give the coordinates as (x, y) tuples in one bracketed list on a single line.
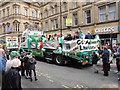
[(60, 18)]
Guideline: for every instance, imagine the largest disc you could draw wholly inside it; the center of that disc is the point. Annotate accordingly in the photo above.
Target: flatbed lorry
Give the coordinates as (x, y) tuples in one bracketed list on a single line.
[(79, 50)]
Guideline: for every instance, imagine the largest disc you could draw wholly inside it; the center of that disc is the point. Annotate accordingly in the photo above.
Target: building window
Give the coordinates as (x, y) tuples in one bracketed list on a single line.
[(52, 10), (75, 19), (102, 11), (75, 3), (56, 23), (87, 1), (46, 26), (3, 12), (46, 13), (16, 27), (112, 11), (8, 11), (65, 6), (26, 26), (16, 9), (53, 24), (64, 20), (26, 12), (88, 16), (35, 13), (56, 9)]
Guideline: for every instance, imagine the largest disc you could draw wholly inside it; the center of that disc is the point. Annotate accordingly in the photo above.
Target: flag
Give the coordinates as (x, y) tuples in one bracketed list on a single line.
[(81, 35), (97, 37)]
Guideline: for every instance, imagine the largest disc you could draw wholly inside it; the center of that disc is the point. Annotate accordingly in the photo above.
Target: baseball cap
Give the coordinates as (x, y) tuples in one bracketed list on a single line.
[(14, 54)]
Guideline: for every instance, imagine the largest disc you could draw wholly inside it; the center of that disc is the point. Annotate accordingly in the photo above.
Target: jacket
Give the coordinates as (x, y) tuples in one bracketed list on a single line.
[(12, 79), (89, 36), (105, 56), (94, 59), (32, 63)]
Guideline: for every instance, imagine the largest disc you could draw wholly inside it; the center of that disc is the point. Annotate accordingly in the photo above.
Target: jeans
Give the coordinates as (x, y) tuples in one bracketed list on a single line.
[(2, 63)]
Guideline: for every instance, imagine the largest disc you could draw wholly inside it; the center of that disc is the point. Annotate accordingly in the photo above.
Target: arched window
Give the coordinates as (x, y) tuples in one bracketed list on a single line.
[(56, 9), (46, 13), (16, 26), (52, 10), (65, 6)]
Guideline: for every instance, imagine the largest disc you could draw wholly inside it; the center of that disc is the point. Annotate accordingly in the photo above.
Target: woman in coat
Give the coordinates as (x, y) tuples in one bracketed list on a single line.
[(105, 58), (32, 63)]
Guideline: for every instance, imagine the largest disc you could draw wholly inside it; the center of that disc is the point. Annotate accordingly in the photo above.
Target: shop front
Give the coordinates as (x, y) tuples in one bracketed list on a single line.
[(108, 35)]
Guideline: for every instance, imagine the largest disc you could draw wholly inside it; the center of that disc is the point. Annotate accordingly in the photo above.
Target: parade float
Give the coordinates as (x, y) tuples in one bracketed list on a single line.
[(79, 50)]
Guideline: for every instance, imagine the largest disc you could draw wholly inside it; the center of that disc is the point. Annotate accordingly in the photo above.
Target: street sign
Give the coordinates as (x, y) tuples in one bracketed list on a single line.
[(69, 22)]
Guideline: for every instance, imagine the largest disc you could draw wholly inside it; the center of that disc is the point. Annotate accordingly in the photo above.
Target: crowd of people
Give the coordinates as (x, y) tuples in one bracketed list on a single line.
[(107, 54), (13, 66)]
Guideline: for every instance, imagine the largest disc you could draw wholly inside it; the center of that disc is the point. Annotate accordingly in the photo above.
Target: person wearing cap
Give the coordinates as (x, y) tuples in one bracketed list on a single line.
[(105, 59), (12, 76)]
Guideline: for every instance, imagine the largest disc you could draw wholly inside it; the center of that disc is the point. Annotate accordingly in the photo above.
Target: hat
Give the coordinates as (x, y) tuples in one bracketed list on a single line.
[(14, 54)]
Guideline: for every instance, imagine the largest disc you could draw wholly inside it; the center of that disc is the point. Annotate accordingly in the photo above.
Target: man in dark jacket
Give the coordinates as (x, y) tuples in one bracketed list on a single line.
[(105, 58)]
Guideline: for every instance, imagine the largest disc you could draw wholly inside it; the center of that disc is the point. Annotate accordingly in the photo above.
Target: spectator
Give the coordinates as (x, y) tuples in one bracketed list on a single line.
[(2, 64), (32, 63), (105, 58), (118, 60), (12, 76)]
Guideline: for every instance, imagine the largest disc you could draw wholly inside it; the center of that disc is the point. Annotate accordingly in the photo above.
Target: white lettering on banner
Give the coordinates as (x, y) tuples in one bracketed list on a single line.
[(106, 29)]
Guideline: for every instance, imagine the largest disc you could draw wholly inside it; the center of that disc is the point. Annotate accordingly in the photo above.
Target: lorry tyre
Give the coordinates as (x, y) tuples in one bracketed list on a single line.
[(59, 60)]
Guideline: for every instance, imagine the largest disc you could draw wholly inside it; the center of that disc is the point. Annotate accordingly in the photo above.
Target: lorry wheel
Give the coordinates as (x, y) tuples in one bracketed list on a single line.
[(59, 60)]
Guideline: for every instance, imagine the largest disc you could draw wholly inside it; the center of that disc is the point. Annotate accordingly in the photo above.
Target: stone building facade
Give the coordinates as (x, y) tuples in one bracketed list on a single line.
[(97, 17), (15, 17)]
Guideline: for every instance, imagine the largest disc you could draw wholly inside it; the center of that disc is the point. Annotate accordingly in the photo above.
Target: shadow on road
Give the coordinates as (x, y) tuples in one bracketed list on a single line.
[(71, 64)]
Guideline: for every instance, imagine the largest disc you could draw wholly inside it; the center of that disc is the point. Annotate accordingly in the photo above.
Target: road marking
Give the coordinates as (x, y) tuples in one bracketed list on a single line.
[(50, 80), (65, 86), (78, 86), (48, 76)]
